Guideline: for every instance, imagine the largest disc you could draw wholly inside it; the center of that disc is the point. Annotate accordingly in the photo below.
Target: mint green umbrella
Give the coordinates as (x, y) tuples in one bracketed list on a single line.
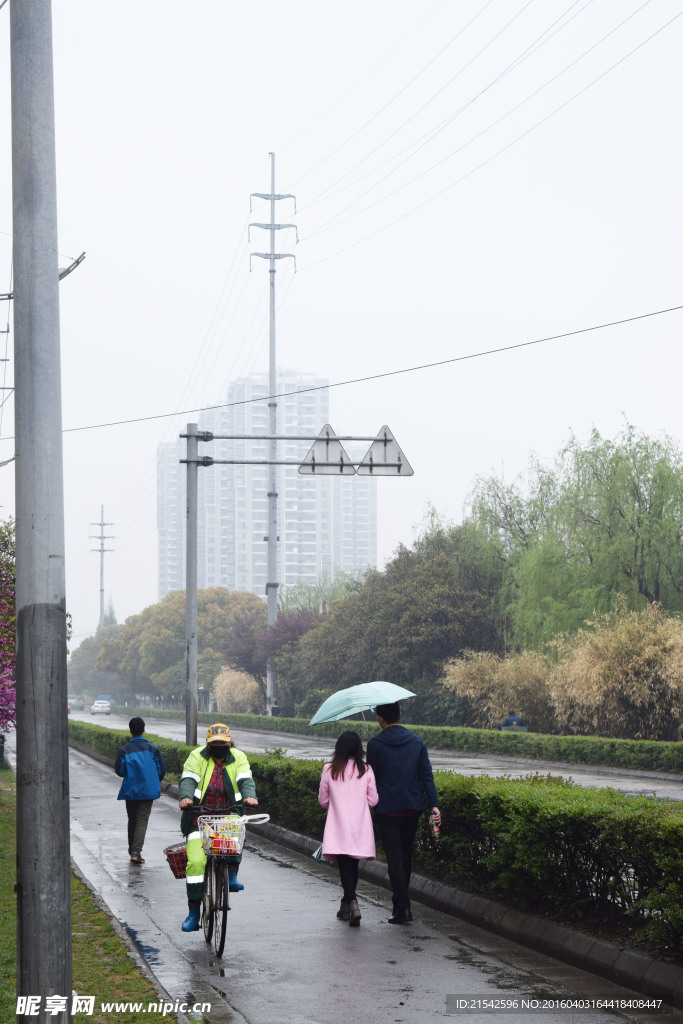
[(363, 697)]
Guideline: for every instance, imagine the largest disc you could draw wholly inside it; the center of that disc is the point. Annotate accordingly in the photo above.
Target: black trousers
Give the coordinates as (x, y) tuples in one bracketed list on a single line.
[(397, 835), (348, 873), (138, 815)]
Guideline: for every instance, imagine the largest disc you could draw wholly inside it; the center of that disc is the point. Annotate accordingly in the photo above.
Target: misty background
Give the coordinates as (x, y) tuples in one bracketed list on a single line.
[(468, 177)]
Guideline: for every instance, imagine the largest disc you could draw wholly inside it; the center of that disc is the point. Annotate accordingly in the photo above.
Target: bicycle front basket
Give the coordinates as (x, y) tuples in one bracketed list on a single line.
[(222, 833)]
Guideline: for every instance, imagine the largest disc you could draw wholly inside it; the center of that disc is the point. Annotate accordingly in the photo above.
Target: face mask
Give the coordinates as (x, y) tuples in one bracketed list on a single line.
[(218, 751)]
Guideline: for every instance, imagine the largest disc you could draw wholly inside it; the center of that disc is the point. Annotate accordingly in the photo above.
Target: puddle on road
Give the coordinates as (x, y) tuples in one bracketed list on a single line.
[(503, 977), (150, 953)]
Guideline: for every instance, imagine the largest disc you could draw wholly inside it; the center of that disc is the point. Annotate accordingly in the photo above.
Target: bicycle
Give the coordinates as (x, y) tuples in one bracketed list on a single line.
[(222, 839)]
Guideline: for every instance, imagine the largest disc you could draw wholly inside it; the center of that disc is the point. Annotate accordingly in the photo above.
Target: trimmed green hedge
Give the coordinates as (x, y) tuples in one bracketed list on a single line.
[(108, 742), (646, 755), (541, 843), (572, 852), (264, 723)]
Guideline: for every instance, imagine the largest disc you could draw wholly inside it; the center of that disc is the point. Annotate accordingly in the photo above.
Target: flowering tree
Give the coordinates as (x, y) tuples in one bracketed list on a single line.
[(8, 693)]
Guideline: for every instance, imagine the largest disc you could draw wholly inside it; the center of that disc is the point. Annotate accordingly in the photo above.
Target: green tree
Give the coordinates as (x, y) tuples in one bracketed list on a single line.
[(624, 502), (401, 624), (110, 615), (7, 547), (605, 518), (243, 649), (317, 598), (252, 643), (148, 650), (83, 674)]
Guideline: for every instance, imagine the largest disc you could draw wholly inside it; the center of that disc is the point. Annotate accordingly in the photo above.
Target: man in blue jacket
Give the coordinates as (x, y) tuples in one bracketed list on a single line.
[(405, 784), (141, 766)]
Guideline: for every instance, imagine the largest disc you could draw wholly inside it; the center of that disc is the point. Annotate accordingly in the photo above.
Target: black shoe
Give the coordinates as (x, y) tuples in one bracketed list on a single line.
[(401, 917)]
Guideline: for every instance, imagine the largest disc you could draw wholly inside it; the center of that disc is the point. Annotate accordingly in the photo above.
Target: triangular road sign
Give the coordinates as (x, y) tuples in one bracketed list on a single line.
[(384, 457), (327, 455)]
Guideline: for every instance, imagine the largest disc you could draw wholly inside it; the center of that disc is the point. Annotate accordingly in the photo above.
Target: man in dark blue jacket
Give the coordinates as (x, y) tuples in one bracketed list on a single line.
[(141, 765), (405, 784)]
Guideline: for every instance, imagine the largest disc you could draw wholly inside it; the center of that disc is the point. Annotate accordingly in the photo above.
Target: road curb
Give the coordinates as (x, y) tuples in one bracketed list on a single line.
[(655, 978)]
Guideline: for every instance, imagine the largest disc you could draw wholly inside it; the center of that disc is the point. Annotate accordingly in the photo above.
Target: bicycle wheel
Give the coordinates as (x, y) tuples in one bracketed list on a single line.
[(207, 900), (222, 906)]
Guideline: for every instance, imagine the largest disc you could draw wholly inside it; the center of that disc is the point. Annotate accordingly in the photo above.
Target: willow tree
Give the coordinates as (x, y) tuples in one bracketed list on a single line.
[(603, 519)]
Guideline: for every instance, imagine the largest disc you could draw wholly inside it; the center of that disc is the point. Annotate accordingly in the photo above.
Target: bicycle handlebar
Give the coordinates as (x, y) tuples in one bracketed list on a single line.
[(200, 810)]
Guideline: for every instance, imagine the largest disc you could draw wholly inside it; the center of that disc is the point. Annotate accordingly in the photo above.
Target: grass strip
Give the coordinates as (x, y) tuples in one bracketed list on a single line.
[(103, 966)]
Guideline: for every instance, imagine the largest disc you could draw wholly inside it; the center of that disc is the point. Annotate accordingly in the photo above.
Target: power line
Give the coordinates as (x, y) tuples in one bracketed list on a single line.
[(329, 225), (413, 148), (384, 107), (387, 373)]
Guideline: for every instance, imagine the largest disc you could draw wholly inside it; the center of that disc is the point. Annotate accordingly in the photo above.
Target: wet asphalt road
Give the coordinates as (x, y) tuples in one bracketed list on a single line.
[(288, 959), (295, 745)]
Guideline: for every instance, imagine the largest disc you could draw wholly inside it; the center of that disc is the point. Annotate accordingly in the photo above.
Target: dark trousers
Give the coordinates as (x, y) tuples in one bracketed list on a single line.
[(138, 812), (397, 836), (348, 873)]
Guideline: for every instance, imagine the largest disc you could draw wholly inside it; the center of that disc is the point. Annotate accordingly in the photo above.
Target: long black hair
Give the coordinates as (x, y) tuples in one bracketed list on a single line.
[(349, 746)]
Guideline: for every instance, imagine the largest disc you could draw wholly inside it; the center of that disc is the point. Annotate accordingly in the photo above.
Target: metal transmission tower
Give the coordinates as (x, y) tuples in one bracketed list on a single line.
[(102, 550), (272, 538)]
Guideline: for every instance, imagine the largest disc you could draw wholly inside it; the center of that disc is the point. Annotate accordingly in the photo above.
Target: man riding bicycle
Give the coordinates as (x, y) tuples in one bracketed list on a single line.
[(216, 776)]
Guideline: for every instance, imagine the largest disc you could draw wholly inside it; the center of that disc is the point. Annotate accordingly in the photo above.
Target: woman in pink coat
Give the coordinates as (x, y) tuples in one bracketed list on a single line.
[(348, 791)]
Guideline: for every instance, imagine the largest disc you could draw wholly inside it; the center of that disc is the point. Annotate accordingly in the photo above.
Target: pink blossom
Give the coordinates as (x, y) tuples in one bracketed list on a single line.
[(8, 692)]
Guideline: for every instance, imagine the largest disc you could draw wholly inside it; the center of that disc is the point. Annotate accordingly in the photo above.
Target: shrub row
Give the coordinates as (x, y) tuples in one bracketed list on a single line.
[(573, 853), (645, 755), (542, 844), (108, 742)]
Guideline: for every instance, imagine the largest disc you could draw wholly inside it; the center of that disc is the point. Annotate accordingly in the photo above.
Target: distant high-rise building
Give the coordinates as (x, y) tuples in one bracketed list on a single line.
[(326, 524)]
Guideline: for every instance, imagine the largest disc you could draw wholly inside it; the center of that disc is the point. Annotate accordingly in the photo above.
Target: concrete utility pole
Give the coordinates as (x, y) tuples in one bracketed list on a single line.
[(102, 550), (272, 584), (43, 866)]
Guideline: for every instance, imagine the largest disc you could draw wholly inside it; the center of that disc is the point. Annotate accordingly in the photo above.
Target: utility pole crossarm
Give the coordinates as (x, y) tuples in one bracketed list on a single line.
[(273, 227), (273, 256), (271, 197), (61, 274)]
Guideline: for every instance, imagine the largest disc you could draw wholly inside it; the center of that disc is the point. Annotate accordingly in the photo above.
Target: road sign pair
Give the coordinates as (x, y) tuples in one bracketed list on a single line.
[(383, 458)]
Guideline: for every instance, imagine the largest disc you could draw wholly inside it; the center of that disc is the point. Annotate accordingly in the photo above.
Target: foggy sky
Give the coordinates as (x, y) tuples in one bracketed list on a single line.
[(468, 177)]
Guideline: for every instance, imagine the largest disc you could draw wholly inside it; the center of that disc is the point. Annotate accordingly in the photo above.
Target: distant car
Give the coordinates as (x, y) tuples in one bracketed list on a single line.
[(100, 707)]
